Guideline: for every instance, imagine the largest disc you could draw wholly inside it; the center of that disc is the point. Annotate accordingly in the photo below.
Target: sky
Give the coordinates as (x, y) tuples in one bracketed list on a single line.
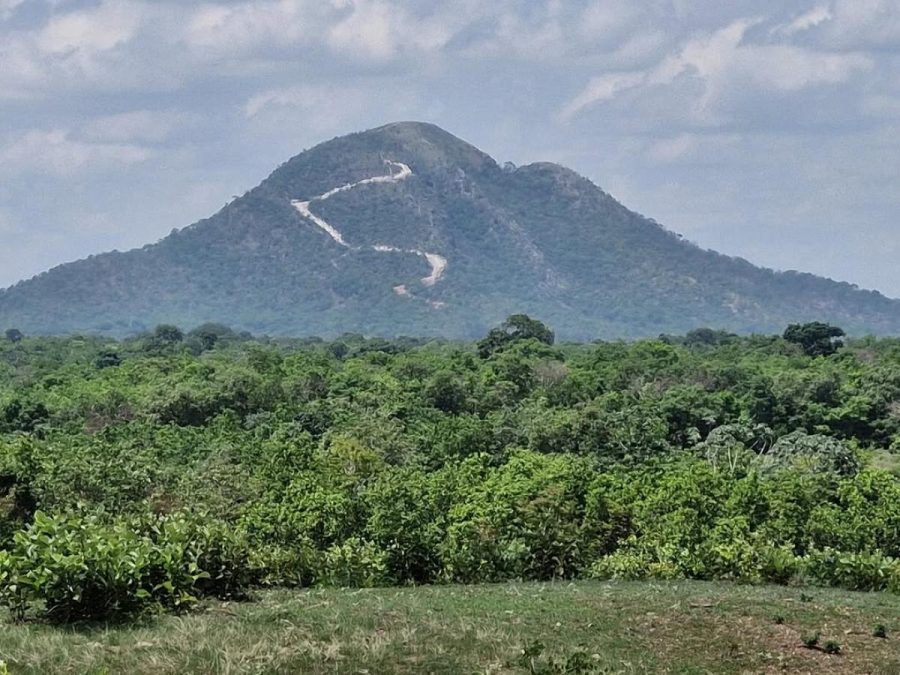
[(764, 129)]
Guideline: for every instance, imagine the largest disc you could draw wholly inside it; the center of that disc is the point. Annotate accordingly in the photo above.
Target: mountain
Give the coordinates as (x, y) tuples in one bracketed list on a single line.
[(406, 229)]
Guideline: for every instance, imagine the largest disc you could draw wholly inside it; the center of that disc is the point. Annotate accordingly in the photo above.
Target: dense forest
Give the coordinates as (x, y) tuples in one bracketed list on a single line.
[(151, 472)]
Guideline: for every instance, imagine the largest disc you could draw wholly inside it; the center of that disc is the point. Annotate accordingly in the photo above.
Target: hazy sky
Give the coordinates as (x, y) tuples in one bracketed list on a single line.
[(761, 128)]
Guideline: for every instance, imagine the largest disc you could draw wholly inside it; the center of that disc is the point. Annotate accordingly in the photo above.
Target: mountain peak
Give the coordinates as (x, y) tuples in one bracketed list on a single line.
[(412, 128), (428, 143), (415, 132), (407, 229)]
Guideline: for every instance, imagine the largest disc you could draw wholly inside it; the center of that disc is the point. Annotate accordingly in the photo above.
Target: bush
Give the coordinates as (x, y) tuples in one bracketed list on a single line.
[(294, 566), (813, 453), (210, 558), (854, 571), (832, 647), (355, 563), (525, 520), (79, 567)]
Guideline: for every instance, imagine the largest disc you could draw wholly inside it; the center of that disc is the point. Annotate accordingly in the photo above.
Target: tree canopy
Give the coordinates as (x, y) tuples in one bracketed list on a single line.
[(159, 470), (816, 338), (516, 327), (14, 335)]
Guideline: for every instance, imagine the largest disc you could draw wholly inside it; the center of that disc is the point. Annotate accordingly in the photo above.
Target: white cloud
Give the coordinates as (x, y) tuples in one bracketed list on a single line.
[(721, 61), (21, 70), (670, 149), (602, 88), (814, 17), (87, 32), (77, 50), (602, 19), (148, 126), (706, 58), (322, 103), (316, 111), (7, 7), (251, 25), (864, 24), (371, 30), (54, 152), (380, 30)]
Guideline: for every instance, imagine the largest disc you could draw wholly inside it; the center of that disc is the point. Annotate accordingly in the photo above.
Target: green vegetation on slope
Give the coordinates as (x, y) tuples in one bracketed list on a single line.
[(517, 629), (538, 239), (168, 468)]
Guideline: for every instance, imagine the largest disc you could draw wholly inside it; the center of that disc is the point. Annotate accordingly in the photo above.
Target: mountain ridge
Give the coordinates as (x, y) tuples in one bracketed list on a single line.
[(539, 238)]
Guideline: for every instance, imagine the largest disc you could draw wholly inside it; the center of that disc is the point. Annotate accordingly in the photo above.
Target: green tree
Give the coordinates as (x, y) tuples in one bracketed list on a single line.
[(707, 336), (14, 335), (516, 327), (107, 358), (164, 338), (208, 334), (813, 453), (816, 338)]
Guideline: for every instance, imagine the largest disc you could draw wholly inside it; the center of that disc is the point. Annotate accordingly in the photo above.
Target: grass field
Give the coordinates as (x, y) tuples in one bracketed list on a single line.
[(617, 627)]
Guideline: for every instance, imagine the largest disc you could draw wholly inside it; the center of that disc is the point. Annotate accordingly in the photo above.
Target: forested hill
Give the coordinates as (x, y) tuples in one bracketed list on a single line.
[(429, 236)]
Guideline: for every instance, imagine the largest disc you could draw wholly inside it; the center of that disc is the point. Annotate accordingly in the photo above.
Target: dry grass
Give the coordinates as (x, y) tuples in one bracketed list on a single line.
[(619, 627)]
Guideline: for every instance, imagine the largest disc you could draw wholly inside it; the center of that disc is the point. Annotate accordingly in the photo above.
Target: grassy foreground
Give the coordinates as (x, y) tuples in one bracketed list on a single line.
[(616, 627)]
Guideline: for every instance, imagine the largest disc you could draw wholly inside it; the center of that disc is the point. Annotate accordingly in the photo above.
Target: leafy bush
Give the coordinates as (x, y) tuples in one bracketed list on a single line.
[(526, 520), (81, 567), (355, 563), (209, 557), (855, 571), (78, 568), (814, 453)]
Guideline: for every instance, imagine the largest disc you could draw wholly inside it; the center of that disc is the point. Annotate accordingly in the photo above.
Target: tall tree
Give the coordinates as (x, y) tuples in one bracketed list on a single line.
[(516, 327), (816, 338), (14, 335)]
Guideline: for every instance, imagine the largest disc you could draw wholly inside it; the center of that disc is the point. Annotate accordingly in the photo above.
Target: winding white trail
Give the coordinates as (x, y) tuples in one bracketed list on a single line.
[(437, 262)]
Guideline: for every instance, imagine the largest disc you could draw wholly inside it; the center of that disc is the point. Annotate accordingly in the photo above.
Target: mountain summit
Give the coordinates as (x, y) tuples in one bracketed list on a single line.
[(406, 229)]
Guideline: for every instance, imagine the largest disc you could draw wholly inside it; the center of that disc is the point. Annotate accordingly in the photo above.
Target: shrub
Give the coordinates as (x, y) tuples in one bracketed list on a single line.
[(854, 571), (832, 647), (407, 519), (812, 453), (294, 566), (355, 563), (628, 563), (525, 520), (810, 640), (209, 558), (778, 564), (76, 566)]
